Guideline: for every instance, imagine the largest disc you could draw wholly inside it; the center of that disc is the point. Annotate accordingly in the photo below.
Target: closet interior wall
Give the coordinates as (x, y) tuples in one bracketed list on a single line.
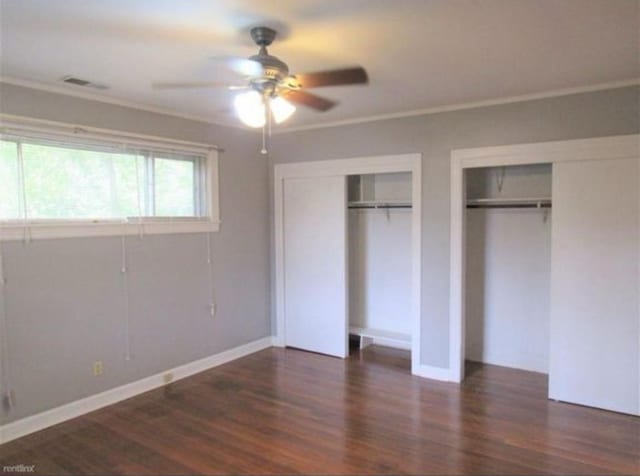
[(380, 256), (508, 269)]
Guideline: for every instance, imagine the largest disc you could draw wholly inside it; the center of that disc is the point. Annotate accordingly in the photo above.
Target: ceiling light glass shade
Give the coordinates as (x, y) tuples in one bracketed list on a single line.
[(281, 109), (250, 108)]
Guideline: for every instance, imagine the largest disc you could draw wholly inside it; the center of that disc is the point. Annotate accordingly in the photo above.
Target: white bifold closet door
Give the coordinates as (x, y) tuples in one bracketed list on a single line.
[(315, 264), (595, 334)]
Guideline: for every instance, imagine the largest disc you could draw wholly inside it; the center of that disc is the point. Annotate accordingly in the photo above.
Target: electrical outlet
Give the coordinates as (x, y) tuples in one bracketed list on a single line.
[(212, 309), (97, 368), (168, 378)]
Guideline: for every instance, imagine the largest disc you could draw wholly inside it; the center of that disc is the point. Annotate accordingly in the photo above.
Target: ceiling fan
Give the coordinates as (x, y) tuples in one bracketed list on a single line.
[(272, 90)]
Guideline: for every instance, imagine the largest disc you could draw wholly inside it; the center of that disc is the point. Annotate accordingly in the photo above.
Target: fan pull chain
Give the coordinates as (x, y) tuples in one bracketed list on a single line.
[(269, 117), (266, 128), (263, 151)]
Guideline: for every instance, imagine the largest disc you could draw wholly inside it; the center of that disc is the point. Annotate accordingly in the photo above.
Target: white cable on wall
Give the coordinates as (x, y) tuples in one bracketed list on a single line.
[(212, 295), (26, 233), (7, 393), (124, 271), (139, 199), (500, 174), (124, 261)]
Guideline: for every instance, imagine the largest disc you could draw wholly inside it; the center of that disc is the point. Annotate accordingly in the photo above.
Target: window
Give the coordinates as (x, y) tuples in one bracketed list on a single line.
[(48, 180), (175, 192)]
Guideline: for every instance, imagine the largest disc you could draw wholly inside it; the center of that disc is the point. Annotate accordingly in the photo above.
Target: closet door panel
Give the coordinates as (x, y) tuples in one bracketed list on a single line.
[(315, 264), (594, 352)]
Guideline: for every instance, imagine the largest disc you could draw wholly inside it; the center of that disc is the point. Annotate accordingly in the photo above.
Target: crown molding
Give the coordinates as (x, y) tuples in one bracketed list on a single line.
[(94, 96), (466, 105), (104, 98)]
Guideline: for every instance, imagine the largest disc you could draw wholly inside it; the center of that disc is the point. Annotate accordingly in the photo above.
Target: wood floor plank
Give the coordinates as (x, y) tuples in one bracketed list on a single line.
[(284, 411)]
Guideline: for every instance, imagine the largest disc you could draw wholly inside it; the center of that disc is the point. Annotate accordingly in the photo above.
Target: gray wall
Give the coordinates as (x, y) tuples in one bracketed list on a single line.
[(64, 297), (601, 113)]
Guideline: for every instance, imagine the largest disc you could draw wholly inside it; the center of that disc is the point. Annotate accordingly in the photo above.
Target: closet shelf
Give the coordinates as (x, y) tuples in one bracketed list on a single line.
[(380, 334), (533, 202), (379, 204)]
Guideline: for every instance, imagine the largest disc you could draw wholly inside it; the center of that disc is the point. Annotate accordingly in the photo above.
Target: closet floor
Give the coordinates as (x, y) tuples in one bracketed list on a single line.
[(283, 411)]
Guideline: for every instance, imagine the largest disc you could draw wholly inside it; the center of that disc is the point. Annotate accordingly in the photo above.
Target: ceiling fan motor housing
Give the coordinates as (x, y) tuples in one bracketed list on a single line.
[(262, 35), (274, 69)]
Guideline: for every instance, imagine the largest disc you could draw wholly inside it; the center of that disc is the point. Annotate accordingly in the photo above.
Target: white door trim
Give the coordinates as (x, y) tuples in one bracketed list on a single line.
[(355, 166), (613, 147)]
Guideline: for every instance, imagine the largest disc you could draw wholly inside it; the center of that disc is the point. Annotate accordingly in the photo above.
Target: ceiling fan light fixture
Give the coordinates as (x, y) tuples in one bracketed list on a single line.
[(281, 109), (250, 108)]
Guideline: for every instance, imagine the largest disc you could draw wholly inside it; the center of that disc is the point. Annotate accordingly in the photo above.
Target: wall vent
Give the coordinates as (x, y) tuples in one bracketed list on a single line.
[(83, 82)]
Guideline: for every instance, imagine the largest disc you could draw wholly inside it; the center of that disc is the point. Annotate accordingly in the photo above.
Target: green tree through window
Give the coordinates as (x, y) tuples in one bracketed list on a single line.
[(66, 182)]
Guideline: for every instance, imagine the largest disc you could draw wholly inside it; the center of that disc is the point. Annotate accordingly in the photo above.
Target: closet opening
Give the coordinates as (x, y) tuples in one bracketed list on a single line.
[(320, 300), (507, 267), (379, 260)]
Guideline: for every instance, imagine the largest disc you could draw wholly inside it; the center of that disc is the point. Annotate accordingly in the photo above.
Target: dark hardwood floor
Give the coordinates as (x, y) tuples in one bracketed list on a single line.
[(288, 412)]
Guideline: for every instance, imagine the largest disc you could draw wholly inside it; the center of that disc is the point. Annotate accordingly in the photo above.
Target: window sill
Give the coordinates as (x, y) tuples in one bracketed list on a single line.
[(88, 228)]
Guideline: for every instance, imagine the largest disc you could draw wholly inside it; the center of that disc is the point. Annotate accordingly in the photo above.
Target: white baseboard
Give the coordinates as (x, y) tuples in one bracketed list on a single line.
[(528, 366), (74, 409), (278, 341), (435, 373)]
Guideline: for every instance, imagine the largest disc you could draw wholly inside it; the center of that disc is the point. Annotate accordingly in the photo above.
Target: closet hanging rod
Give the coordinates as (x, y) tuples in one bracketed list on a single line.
[(509, 203), (521, 205), (378, 205)]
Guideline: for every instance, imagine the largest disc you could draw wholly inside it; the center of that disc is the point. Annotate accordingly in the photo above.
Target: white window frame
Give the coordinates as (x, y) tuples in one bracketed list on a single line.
[(16, 127)]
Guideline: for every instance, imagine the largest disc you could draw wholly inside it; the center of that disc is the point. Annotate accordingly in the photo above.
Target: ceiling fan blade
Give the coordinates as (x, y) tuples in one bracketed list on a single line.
[(192, 85), (334, 77), (240, 65), (310, 100)]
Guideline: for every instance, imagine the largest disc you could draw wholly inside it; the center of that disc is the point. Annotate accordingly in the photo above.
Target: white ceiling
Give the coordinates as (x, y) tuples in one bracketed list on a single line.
[(419, 53)]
